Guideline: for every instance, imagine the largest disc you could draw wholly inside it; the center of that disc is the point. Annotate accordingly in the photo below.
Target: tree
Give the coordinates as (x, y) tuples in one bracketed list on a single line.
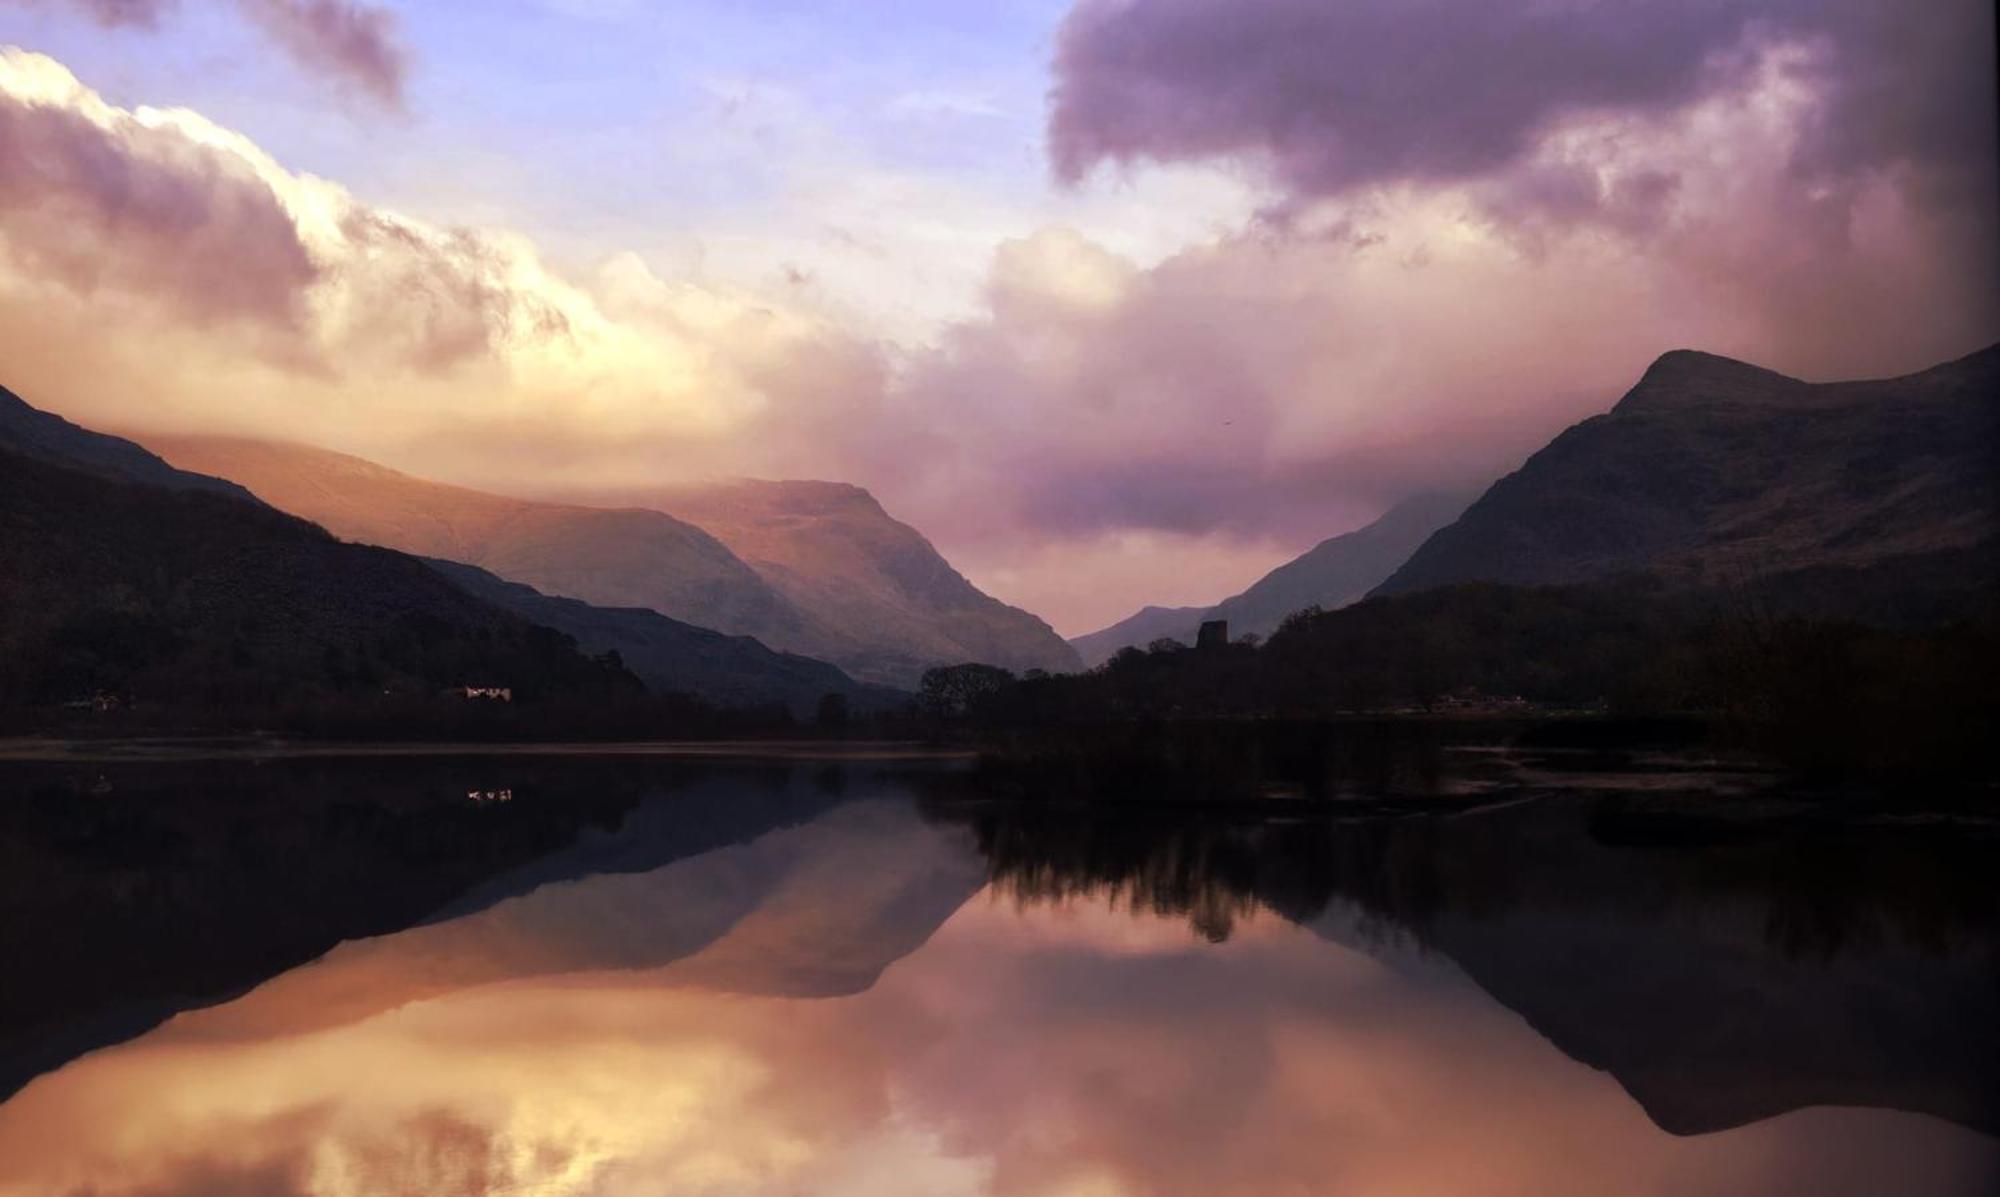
[(955, 691), (832, 713)]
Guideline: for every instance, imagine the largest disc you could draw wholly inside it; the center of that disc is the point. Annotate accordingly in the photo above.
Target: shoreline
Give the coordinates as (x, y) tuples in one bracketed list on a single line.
[(164, 750)]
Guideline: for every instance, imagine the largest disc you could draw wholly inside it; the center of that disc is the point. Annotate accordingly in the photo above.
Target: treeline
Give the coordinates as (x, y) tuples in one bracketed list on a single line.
[(1823, 694)]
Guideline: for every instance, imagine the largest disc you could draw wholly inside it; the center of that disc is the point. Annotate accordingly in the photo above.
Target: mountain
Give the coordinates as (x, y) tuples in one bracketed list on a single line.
[(614, 558), (808, 567), (1711, 471), (189, 597), (1140, 628), (671, 656), (890, 603), (1341, 569), (44, 436), (1333, 573)]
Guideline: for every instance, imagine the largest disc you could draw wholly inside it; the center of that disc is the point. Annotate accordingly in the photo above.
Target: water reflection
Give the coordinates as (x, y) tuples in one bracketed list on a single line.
[(789, 980), (1827, 964)]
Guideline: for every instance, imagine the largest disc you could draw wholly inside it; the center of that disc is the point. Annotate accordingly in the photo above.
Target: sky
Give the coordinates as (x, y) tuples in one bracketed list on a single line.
[(1118, 301)]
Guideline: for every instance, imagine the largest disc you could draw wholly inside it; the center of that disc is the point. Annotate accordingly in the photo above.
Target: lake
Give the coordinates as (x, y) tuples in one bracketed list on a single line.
[(876, 974)]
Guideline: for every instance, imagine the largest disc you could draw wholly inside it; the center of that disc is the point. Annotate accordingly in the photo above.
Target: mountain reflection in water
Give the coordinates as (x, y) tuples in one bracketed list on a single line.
[(870, 979)]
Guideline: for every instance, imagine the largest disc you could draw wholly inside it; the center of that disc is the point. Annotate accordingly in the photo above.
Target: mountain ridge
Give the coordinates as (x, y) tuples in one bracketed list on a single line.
[(828, 573), (44, 436), (836, 552), (1714, 472)]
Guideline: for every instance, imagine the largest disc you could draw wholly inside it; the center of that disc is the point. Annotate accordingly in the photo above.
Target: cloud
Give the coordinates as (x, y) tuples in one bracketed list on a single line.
[(108, 201), (1165, 424), (164, 270), (1334, 97), (352, 44), (1458, 271), (113, 13)]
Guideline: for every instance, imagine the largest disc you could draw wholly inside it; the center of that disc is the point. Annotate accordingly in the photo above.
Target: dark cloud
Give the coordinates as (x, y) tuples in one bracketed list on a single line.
[(353, 44), (1331, 96), (148, 211), (112, 13)]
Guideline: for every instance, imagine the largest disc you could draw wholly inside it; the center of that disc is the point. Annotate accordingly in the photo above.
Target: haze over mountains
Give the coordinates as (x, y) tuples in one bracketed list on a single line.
[(808, 567)]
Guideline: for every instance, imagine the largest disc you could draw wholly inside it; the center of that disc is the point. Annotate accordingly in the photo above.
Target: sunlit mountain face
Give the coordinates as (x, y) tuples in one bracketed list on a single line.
[(866, 977), (1119, 304)]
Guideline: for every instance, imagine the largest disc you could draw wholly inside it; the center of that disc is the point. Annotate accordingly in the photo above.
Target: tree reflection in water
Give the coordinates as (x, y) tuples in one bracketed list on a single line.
[(1759, 966)]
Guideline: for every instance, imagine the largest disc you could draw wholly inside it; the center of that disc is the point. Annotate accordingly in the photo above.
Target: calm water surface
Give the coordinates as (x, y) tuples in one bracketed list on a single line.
[(594, 977)]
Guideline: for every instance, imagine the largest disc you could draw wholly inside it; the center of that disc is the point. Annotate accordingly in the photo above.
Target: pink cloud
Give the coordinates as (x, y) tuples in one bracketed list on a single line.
[(123, 207)]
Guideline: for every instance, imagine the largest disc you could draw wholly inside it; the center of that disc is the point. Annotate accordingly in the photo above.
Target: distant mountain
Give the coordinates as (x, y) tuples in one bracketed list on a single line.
[(890, 604), (1331, 574), (808, 567), (45, 436), (1140, 628), (1341, 569), (671, 656), (1713, 472), (613, 558), (199, 599)]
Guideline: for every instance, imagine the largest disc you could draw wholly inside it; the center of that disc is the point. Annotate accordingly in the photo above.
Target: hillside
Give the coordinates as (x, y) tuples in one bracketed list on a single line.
[(44, 436), (193, 599), (1331, 574), (1713, 472), (675, 657), (613, 558), (1340, 569), (1140, 628), (806, 567), (891, 604)]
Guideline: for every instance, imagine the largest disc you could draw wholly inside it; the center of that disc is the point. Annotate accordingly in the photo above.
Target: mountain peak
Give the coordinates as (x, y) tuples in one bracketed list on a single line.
[(1711, 469), (1684, 376)]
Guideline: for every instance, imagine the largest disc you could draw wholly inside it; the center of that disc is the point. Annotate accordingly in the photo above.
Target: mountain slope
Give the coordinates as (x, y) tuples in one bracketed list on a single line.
[(671, 656), (1341, 569), (891, 603), (1333, 573), (807, 567), (45, 436), (193, 598), (613, 558), (1140, 628), (1710, 471)]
